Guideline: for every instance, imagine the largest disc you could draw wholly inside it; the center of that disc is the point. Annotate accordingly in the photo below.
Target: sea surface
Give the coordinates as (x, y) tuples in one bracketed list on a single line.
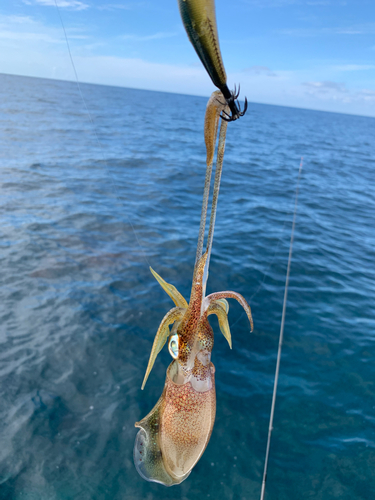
[(88, 204)]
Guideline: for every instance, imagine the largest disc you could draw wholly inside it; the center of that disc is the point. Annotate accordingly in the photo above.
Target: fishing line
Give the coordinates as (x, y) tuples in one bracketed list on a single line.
[(265, 275), (281, 337), (94, 128)]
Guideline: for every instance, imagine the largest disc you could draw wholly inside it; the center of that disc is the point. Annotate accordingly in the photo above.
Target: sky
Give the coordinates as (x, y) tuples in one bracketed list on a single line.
[(317, 54)]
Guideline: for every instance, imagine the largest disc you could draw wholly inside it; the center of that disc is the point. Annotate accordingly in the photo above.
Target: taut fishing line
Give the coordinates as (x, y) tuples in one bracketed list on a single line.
[(281, 337), (93, 126)]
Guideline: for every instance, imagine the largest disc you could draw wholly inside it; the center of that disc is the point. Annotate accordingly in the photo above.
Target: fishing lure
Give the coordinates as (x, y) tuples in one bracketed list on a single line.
[(199, 19), (174, 435)]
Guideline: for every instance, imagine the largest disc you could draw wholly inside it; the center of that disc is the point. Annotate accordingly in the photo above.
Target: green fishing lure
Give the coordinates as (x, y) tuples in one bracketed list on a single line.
[(199, 19)]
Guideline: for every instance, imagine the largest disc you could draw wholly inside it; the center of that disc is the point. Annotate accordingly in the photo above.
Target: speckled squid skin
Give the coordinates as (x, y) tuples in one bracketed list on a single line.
[(174, 435), (196, 337), (176, 432), (216, 104), (186, 425)]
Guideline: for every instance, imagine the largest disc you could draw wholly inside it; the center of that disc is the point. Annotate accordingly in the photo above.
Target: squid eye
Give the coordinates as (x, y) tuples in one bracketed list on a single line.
[(173, 346)]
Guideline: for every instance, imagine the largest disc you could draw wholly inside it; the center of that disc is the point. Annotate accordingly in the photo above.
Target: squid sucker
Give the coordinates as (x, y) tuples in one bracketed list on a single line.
[(174, 435), (199, 19)]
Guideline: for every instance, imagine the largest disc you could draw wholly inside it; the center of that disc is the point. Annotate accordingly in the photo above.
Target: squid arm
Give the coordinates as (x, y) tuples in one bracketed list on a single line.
[(220, 307), (171, 290), (175, 314), (211, 122), (230, 295)]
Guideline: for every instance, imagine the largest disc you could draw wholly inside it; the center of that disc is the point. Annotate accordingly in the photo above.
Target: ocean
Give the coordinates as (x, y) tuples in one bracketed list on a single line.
[(88, 204)]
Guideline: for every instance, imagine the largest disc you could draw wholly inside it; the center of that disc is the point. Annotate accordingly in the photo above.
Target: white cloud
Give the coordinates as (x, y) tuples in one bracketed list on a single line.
[(27, 37), (17, 31), (301, 89), (353, 67), (138, 73), (360, 29), (121, 6), (338, 92), (367, 95), (146, 38), (325, 87), (68, 4), (260, 70), (269, 3), (288, 3), (27, 47)]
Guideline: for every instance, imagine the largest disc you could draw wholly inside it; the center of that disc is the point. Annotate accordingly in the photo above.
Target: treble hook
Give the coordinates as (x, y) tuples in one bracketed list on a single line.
[(230, 98)]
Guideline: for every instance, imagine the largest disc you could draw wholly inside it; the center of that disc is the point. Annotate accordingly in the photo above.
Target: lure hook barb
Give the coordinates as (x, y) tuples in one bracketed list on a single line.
[(231, 98)]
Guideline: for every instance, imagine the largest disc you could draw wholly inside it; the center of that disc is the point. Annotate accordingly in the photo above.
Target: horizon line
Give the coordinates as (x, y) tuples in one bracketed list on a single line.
[(81, 82)]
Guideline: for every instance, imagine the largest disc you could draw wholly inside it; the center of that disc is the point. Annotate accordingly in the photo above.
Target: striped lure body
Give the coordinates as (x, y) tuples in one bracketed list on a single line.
[(199, 19)]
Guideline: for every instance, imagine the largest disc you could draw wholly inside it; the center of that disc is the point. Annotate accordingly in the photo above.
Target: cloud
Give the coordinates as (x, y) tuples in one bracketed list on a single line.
[(353, 67), (360, 29), (140, 73), (122, 6), (367, 95), (27, 37), (16, 20), (327, 91), (63, 4), (259, 70), (146, 38), (324, 86), (29, 47), (269, 3), (334, 91), (287, 3), (16, 31)]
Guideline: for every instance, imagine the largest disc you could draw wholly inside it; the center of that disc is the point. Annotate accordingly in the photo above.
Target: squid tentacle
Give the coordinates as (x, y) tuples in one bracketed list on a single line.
[(211, 125)]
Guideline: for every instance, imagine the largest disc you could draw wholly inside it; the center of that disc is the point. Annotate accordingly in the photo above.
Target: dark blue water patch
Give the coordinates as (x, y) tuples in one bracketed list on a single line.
[(83, 219)]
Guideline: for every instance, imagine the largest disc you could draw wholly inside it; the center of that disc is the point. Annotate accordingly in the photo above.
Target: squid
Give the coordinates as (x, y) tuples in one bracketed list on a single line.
[(199, 20), (174, 435)]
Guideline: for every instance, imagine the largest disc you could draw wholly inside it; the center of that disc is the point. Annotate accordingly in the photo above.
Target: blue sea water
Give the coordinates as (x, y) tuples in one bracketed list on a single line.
[(87, 207)]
